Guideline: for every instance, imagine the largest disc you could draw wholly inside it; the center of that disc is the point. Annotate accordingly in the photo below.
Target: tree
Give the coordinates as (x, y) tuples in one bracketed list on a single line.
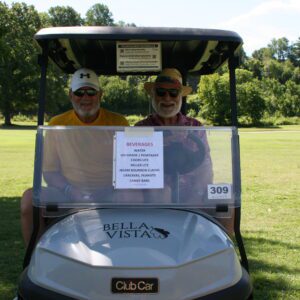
[(215, 99), (290, 103), (263, 54), (280, 48), (19, 70), (124, 24), (127, 94), (251, 104), (294, 55), (272, 92), (64, 16), (281, 71), (45, 19), (99, 15), (296, 75), (255, 66)]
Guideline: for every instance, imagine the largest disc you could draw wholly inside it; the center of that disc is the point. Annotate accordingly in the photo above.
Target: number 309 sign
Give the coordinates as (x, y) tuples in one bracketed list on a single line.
[(219, 191)]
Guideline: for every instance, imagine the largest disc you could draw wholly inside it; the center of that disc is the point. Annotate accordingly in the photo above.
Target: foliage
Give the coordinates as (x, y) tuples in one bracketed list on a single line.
[(19, 70), (214, 99), (280, 49), (124, 24), (64, 16), (255, 66), (251, 104), (99, 15), (279, 121), (193, 103), (291, 101), (57, 96), (132, 119), (281, 71), (272, 91), (295, 53), (124, 95), (268, 87)]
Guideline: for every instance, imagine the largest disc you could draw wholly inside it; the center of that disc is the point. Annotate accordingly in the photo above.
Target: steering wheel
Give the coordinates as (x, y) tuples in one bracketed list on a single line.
[(180, 159)]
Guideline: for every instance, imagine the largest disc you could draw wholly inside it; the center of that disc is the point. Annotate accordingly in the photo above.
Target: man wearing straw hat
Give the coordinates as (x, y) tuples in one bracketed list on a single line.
[(166, 95)]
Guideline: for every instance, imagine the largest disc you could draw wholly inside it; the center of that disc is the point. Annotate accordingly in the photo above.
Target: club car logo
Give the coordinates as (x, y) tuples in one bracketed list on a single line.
[(134, 285), (125, 230)]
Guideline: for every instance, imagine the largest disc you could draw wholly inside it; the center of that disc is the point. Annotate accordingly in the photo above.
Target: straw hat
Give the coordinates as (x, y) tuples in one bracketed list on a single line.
[(168, 76)]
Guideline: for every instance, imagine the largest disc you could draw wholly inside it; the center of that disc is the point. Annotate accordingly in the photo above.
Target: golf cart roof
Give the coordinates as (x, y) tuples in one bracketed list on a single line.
[(193, 51)]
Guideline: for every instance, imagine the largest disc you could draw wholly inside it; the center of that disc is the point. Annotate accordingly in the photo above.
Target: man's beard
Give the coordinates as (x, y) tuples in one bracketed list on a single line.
[(83, 113), (165, 112)]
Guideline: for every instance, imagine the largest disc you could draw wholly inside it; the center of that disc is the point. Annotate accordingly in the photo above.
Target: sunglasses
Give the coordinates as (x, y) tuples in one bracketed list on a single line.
[(161, 92), (81, 92)]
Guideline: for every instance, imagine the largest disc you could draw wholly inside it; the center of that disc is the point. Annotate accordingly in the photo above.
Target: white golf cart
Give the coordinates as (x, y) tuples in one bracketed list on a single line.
[(149, 222)]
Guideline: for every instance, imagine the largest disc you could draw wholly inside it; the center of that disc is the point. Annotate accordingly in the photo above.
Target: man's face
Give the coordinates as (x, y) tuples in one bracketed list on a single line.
[(86, 101), (167, 100)]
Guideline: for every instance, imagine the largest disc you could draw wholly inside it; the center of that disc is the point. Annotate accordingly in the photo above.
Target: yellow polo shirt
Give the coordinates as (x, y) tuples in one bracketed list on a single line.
[(84, 157), (105, 118)]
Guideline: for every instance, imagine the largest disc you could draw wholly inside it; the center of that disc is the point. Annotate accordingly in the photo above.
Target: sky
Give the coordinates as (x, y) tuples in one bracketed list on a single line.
[(256, 21)]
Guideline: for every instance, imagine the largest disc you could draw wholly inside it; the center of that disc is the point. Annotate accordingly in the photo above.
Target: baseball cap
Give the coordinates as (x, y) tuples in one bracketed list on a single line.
[(84, 77)]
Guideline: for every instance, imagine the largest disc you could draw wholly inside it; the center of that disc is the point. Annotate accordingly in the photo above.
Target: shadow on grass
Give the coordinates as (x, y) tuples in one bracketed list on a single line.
[(18, 127), (12, 247), (267, 126), (271, 280)]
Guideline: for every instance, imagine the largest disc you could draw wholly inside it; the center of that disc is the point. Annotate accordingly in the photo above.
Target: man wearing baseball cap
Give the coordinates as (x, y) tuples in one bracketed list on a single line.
[(85, 95)]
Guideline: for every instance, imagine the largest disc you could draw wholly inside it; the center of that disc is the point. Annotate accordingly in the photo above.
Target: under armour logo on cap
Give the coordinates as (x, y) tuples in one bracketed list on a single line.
[(84, 77), (87, 75)]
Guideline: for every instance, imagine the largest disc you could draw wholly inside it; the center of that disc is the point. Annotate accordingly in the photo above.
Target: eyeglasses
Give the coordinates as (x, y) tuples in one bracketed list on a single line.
[(161, 92), (89, 92)]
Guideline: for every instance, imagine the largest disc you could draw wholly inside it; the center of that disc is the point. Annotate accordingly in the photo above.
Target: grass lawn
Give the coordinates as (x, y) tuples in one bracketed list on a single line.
[(270, 165), (270, 214), (16, 165)]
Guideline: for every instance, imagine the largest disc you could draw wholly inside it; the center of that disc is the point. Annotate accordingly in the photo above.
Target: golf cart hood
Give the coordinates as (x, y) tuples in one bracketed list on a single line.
[(134, 238), (98, 254)]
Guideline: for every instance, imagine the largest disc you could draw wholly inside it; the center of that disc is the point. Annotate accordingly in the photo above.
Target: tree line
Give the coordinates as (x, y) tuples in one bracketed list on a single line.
[(268, 87), (267, 82)]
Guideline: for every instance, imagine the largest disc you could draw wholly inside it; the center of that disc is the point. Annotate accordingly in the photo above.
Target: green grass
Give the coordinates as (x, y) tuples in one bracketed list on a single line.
[(270, 222), (16, 164), (270, 213)]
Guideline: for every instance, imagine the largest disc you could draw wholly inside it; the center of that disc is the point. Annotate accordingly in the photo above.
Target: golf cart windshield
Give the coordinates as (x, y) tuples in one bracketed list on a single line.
[(88, 167)]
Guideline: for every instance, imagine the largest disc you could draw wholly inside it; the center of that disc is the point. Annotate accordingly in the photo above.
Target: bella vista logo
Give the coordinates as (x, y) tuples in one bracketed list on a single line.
[(125, 230)]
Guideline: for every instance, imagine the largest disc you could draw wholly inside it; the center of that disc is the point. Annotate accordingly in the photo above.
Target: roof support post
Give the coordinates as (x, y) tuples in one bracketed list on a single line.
[(233, 62), (183, 106), (43, 62)]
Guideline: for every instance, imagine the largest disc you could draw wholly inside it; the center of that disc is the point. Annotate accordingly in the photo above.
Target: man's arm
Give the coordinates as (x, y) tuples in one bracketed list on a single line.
[(55, 179)]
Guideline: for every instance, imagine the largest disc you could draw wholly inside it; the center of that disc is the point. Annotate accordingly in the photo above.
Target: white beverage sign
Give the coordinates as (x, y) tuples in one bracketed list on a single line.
[(138, 161)]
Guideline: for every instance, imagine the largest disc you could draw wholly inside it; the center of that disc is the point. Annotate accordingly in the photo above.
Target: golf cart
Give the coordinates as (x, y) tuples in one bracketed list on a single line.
[(149, 222)]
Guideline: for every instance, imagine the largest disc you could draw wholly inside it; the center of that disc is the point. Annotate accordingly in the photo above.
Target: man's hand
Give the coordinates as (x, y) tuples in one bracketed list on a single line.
[(74, 194)]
